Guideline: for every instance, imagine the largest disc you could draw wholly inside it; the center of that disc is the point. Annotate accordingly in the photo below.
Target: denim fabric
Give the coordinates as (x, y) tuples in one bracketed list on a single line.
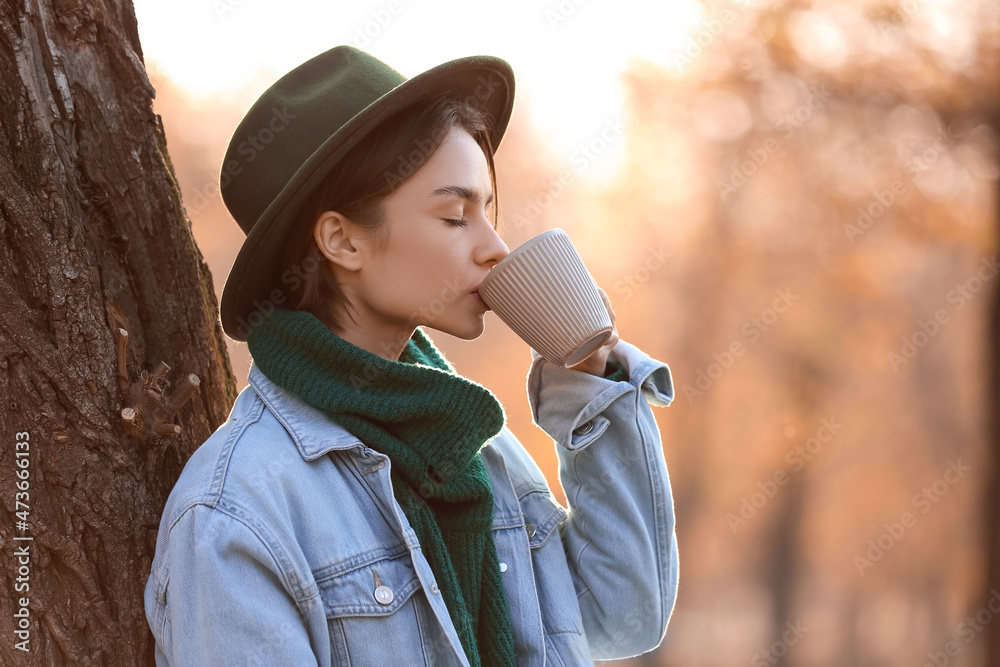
[(282, 544)]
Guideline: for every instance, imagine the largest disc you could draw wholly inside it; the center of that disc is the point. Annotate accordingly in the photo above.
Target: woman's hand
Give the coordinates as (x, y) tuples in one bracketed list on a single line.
[(597, 361)]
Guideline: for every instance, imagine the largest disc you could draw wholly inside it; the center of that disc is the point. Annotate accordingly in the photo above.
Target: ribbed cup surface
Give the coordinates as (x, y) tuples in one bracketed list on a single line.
[(544, 293)]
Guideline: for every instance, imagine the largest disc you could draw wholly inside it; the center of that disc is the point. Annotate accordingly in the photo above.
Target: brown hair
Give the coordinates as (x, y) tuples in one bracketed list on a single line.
[(358, 185)]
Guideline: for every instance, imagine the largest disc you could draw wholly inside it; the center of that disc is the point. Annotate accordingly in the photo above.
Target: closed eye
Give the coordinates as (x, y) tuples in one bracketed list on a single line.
[(457, 223)]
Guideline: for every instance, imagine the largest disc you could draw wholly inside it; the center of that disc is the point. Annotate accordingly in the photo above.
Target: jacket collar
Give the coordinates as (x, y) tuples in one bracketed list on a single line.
[(313, 432)]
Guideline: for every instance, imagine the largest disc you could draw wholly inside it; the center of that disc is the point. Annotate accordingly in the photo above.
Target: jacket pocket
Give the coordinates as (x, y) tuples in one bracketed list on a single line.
[(542, 515), (376, 614)]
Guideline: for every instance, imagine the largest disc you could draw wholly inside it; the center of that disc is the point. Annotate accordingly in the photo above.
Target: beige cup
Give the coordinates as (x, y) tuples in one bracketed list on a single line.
[(544, 293)]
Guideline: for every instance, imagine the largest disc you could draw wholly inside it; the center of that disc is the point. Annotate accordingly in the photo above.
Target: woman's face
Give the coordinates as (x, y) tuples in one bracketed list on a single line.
[(432, 262)]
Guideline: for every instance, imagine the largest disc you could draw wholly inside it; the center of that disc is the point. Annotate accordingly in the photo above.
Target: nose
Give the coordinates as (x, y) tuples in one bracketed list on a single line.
[(493, 249)]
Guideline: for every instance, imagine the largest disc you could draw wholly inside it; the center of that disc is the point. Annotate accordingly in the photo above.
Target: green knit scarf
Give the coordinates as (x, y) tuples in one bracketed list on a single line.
[(431, 422)]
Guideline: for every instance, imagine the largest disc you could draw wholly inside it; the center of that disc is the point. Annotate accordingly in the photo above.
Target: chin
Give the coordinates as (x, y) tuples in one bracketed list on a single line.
[(466, 331)]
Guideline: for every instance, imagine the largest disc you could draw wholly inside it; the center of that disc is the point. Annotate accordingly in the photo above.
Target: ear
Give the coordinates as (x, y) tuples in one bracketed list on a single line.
[(336, 238)]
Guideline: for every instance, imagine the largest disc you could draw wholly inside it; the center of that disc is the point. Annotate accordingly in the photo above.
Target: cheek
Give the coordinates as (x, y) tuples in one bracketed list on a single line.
[(409, 280)]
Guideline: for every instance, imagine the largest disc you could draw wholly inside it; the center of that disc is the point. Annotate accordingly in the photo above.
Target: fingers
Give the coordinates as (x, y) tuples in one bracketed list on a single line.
[(614, 338)]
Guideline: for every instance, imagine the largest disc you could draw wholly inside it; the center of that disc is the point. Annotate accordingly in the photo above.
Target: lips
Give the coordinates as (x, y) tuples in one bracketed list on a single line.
[(475, 292)]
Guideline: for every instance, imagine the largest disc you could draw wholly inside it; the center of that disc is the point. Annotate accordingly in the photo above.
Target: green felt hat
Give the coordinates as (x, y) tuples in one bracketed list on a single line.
[(296, 132)]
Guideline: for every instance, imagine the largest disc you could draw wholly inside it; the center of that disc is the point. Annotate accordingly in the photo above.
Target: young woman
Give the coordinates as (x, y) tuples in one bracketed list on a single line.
[(364, 504)]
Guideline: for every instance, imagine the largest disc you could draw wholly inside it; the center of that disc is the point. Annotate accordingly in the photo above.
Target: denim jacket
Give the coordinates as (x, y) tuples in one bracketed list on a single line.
[(282, 543)]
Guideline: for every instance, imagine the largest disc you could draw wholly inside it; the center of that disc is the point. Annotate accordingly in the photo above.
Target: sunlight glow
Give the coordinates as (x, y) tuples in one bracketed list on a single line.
[(567, 56)]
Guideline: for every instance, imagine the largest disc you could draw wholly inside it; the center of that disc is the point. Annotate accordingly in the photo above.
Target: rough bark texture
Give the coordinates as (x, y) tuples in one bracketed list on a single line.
[(93, 240)]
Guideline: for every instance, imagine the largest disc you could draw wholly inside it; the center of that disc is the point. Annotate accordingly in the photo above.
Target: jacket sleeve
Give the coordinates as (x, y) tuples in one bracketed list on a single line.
[(619, 537), (223, 600)]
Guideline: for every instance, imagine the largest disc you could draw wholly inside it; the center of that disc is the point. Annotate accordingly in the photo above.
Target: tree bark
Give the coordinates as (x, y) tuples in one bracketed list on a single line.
[(94, 243)]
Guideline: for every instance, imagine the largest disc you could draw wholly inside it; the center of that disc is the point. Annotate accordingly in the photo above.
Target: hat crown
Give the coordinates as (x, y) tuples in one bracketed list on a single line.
[(307, 105)]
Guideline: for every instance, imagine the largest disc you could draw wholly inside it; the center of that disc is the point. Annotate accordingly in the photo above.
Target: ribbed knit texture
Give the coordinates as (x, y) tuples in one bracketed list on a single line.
[(431, 422)]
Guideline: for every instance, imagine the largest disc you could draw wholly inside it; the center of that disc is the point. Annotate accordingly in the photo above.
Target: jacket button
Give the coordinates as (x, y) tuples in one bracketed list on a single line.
[(585, 429), (530, 527), (383, 594)]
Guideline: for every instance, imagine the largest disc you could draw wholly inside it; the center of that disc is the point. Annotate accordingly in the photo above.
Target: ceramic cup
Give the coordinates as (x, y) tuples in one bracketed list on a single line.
[(544, 293)]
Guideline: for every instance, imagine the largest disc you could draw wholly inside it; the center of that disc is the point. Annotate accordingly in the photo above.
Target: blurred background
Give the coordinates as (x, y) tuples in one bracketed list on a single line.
[(792, 204)]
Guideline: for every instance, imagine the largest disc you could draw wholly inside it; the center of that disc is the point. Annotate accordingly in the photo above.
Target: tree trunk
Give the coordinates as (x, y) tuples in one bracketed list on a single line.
[(94, 243)]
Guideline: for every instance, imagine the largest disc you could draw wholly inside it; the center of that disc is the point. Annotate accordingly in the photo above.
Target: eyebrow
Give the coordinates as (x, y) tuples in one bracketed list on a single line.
[(468, 194)]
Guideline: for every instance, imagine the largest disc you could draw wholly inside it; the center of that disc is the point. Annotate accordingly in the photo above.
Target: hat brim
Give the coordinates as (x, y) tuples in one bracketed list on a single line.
[(252, 283)]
